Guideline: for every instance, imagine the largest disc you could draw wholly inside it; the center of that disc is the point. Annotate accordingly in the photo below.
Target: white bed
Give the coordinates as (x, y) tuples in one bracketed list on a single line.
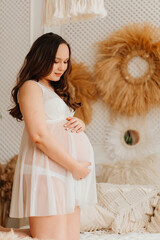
[(98, 235), (101, 235)]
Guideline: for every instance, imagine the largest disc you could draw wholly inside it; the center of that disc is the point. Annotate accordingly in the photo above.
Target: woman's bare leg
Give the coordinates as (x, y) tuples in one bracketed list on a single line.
[(49, 227), (63, 227), (73, 224)]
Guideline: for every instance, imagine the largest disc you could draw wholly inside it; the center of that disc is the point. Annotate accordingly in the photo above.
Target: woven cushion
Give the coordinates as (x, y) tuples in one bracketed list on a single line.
[(95, 218), (130, 204), (153, 226)]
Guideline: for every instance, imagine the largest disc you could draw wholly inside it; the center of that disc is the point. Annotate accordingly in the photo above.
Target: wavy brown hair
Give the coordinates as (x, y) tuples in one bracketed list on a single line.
[(38, 64)]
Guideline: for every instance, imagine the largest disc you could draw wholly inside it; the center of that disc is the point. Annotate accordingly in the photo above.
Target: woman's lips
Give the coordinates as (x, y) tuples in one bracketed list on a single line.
[(58, 74)]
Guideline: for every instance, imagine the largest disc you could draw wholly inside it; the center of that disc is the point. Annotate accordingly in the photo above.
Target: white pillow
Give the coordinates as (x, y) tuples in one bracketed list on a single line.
[(153, 226), (95, 218), (130, 204)]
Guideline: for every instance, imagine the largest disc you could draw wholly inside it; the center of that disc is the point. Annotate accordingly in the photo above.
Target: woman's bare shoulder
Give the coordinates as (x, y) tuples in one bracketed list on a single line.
[(29, 87), (29, 84)]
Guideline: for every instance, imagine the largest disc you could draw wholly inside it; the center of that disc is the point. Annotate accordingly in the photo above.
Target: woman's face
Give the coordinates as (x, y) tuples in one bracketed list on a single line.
[(61, 63)]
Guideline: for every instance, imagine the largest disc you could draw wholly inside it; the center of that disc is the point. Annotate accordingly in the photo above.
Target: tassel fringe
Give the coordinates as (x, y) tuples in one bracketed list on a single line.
[(58, 12), (55, 12)]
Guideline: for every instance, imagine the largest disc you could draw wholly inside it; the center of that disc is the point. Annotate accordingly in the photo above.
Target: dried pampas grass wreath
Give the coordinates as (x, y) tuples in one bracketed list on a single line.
[(126, 93), (83, 90)]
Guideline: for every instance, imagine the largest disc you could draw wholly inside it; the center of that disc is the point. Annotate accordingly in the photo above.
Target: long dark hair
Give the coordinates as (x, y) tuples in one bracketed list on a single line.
[(38, 64)]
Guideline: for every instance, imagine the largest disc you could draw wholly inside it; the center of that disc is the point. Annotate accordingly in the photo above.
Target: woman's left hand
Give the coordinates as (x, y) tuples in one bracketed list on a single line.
[(74, 124)]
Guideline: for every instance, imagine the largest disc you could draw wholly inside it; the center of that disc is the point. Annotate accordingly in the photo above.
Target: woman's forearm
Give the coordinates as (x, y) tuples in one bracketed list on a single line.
[(48, 144)]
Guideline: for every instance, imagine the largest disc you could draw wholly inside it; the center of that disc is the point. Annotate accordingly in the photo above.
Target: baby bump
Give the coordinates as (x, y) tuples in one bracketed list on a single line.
[(84, 150), (77, 144)]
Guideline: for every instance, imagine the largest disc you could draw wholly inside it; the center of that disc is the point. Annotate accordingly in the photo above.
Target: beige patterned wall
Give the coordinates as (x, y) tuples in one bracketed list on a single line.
[(14, 44)]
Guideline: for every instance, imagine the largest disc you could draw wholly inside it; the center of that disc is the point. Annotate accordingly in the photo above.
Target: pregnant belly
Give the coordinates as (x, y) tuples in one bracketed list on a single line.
[(77, 144)]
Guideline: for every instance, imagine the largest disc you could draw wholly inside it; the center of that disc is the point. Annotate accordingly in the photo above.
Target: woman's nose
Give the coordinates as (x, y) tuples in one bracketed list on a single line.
[(62, 66)]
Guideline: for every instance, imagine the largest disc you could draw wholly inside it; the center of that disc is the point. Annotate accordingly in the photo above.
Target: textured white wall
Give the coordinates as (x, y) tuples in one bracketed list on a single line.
[(36, 28), (35, 20), (14, 44)]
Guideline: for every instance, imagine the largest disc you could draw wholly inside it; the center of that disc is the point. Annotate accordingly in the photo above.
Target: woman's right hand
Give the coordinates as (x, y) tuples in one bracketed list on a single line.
[(81, 170)]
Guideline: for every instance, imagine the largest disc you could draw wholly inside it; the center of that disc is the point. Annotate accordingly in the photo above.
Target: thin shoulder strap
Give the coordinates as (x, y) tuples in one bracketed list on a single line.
[(41, 86), (44, 88)]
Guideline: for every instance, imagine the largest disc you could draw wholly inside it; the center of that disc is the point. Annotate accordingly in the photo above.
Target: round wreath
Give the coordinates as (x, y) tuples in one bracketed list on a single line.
[(124, 93), (115, 143)]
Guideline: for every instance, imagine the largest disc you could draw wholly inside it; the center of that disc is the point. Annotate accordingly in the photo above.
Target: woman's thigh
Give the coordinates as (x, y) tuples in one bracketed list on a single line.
[(73, 224), (49, 227)]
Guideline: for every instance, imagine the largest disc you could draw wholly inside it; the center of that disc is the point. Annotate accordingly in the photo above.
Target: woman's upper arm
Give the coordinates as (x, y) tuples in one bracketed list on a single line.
[(32, 108)]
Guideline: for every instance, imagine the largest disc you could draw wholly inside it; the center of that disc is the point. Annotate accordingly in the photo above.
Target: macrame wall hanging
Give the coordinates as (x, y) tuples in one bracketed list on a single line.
[(57, 12), (125, 93)]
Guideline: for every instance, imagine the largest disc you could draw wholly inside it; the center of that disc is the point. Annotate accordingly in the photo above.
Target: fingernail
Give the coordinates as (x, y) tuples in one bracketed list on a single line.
[(65, 125), (67, 128)]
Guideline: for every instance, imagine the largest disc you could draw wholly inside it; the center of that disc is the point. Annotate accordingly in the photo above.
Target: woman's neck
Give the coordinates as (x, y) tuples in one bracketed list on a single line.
[(46, 83)]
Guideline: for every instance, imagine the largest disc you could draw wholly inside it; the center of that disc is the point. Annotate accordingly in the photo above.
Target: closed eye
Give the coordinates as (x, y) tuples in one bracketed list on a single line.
[(58, 60), (63, 62)]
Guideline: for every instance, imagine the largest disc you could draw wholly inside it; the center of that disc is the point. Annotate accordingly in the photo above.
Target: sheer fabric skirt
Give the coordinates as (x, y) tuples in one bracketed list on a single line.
[(42, 187)]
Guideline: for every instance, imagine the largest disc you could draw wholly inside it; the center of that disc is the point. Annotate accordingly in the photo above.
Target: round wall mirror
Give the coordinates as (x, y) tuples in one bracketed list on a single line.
[(131, 137)]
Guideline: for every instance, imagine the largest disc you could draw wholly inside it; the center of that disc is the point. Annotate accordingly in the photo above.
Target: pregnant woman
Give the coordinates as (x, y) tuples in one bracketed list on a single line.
[(55, 172)]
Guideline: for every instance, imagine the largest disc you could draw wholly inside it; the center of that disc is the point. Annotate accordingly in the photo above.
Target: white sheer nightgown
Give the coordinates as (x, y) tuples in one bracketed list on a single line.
[(41, 186)]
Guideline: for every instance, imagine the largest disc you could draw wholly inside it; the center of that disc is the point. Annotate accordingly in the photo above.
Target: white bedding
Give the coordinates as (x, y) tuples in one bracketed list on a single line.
[(97, 235), (101, 235)]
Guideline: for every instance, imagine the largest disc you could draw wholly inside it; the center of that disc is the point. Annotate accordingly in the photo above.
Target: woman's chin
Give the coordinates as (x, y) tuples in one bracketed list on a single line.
[(55, 79)]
